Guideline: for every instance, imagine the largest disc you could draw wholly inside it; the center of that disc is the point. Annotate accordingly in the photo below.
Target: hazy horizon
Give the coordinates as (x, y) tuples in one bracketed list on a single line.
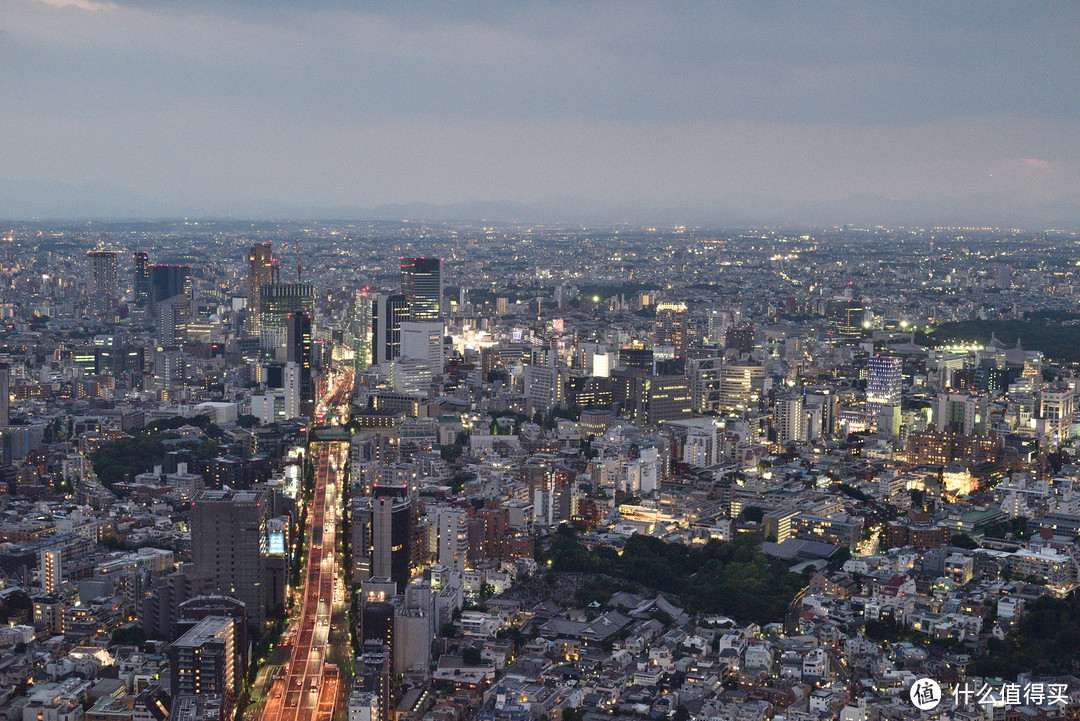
[(914, 113)]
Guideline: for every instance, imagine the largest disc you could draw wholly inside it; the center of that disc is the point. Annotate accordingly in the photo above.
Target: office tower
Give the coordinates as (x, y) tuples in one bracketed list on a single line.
[(159, 610), (883, 382), (543, 387), (298, 351), (704, 374), (789, 420), (423, 340), (740, 338), (276, 302), (741, 386), (173, 315), (194, 610), (142, 278), (5, 395), (422, 286), (453, 539), (203, 661), (664, 398), (228, 544), (827, 402), (103, 289), (961, 413), (672, 321), (362, 331), (382, 533), (169, 281), (377, 634), (292, 380), (421, 357), (388, 312), (50, 572), (260, 273)]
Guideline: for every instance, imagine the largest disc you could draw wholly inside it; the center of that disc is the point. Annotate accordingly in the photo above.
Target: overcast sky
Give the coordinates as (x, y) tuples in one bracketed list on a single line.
[(335, 104)]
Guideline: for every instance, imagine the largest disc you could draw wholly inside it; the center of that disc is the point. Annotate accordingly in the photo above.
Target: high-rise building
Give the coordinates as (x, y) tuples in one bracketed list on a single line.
[(423, 340), (883, 382), (293, 383), (362, 356), (203, 662), (740, 338), (50, 572), (789, 420), (741, 386), (298, 351), (169, 281), (388, 312), (276, 302), (664, 398), (5, 395), (382, 533), (453, 539), (672, 322), (260, 273), (142, 278), (229, 544), (173, 315), (961, 413), (422, 286), (103, 287), (543, 387), (377, 632)]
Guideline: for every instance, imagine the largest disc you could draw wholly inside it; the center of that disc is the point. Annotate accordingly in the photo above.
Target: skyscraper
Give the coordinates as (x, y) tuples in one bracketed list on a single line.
[(453, 539), (50, 570), (423, 340), (276, 302), (789, 419), (362, 331), (672, 320), (387, 314), (103, 289), (883, 382), (260, 273), (173, 315), (298, 351), (203, 661), (142, 278), (169, 281), (740, 338), (294, 407), (228, 544), (383, 531), (5, 395), (422, 286)]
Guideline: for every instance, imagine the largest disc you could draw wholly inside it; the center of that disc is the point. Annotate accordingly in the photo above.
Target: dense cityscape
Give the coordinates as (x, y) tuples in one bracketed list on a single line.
[(419, 471)]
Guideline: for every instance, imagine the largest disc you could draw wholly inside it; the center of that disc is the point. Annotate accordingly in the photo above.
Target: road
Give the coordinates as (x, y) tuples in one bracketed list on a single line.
[(308, 688)]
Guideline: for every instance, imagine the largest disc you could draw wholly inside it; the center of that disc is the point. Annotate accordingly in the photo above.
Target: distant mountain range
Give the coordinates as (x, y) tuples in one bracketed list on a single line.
[(54, 200)]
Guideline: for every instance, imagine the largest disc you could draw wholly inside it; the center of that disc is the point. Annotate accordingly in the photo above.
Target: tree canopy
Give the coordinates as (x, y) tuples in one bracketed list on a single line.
[(732, 578), (1043, 643)]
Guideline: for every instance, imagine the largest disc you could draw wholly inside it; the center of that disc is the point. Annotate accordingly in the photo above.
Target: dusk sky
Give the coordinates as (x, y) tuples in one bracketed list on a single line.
[(222, 106)]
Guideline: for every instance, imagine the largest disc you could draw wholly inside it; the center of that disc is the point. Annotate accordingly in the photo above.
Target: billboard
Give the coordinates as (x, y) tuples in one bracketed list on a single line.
[(277, 544)]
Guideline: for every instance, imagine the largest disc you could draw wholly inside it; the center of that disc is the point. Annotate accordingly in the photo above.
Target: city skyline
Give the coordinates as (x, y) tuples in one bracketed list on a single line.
[(540, 113)]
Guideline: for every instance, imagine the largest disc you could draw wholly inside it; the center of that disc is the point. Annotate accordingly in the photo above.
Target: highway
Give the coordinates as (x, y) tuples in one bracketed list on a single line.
[(308, 688)]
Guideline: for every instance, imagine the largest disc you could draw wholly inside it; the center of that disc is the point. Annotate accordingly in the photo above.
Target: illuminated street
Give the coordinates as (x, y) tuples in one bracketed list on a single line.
[(309, 686)]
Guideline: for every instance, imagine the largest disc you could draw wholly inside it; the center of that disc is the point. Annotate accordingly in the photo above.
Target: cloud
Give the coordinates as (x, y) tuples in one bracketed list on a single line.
[(91, 5), (1035, 163), (341, 102)]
